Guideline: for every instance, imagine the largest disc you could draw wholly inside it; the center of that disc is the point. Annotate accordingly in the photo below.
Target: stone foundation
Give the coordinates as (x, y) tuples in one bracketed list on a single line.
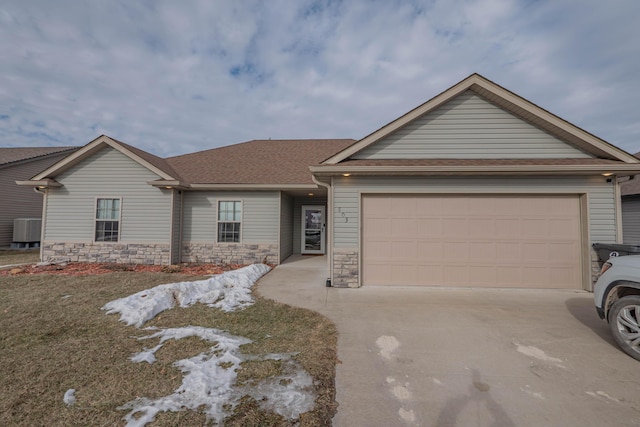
[(345, 268), (230, 253), (122, 253)]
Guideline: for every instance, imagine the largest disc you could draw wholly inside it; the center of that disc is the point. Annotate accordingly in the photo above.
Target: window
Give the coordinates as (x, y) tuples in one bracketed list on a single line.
[(107, 220), (229, 219)]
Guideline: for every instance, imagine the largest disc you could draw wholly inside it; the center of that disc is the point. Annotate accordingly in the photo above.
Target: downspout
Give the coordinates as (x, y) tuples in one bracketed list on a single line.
[(618, 199), (172, 224), (44, 217), (329, 216), (181, 234)]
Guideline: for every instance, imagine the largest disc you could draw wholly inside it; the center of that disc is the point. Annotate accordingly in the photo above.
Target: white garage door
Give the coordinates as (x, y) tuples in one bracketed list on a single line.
[(512, 241)]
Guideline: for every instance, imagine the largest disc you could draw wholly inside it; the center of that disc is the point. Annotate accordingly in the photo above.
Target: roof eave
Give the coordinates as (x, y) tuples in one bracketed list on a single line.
[(41, 183), (252, 186), (169, 184), (605, 170)]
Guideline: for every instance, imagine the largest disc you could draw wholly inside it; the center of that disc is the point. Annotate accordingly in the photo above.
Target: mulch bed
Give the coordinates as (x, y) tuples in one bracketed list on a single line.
[(86, 269)]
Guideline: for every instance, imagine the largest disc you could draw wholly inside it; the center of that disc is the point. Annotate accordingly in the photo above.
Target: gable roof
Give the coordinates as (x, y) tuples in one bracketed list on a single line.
[(257, 163), (15, 155), (508, 101), (264, 162), (155, 164)]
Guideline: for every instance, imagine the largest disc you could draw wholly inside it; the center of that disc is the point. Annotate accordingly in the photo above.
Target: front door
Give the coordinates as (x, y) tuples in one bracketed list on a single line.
[(313, 226)]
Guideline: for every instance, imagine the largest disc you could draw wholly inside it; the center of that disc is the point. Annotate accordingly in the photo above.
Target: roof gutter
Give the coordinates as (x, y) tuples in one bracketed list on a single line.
[(283, 187), (40, 183), (169, 184), (619, 170)]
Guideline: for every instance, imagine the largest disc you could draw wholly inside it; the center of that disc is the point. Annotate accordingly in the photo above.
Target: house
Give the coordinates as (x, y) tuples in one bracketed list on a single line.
[(22, 202), (475, 187), (630, 194)]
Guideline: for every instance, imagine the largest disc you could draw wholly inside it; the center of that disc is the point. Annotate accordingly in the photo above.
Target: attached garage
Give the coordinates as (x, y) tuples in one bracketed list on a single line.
[(477, 187), (511, 241)]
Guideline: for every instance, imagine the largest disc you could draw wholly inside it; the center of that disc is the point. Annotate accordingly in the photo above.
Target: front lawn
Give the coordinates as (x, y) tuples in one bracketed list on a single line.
[(19, 256), (55, 337)]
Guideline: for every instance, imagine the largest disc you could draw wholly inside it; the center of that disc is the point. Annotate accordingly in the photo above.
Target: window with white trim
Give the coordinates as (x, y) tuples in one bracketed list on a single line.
[(229, 220), (107, 220)]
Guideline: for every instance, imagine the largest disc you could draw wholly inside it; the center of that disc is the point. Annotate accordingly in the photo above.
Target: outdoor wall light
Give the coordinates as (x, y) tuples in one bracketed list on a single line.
[(346, 174)]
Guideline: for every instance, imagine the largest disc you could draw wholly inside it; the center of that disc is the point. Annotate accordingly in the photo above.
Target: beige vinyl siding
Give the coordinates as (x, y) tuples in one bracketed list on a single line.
[(631, 220), (286, 226), (297, 217), (469, 127), (260, 215), (600, 194), (145, 210), (19, 201)]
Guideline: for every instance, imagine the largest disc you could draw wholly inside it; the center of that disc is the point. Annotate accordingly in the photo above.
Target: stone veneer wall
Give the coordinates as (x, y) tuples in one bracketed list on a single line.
[(345, 268), (230, 253), (123, 253)]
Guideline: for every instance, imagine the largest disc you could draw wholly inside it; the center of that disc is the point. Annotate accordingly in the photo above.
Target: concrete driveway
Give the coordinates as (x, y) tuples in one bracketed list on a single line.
[(466, 357)]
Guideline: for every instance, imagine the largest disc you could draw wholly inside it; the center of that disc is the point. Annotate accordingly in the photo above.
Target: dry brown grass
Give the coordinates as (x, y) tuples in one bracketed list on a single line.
[(53, 337), (9, 257)]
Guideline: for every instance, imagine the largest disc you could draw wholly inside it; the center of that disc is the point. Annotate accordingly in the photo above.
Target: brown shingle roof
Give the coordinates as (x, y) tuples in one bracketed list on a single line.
[(257, 162), (11, 155), (156, 161)]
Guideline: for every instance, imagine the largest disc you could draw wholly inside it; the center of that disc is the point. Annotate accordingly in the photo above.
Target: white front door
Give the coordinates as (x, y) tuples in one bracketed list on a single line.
[(313, 226)]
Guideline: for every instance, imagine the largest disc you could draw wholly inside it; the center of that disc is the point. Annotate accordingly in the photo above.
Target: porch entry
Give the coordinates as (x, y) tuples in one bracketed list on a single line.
[(313, 229)]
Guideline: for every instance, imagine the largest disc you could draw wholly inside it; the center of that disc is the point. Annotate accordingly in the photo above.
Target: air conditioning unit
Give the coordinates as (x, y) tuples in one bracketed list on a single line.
[(26, 230)]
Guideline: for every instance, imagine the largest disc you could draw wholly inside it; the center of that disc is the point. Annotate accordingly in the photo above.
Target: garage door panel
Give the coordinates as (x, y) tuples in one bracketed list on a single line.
[(482, 251), (535, 252), (454, 227), (379, 227), (402, 250), (482, 227), (379, 250), (457, 250), (507, 227), (532, 228), (429, 227), (429, 250), (472, 240), (508, 251), (563, 228), (403, 227)]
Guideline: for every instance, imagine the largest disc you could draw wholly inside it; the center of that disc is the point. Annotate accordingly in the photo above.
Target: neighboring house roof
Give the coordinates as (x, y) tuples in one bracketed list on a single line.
[(15, 155), (508, 101), (257, 162)]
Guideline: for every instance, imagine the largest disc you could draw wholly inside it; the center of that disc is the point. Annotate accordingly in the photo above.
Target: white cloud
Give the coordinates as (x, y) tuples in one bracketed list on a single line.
[(175, 77)]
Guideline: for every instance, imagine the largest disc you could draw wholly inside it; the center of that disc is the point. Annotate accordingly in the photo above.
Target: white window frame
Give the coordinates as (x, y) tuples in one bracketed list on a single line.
[(96, 219), (218, 221)]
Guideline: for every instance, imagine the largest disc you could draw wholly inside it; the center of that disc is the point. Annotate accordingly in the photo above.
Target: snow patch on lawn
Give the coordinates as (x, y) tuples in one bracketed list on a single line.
[(209, 380), (69, 396), (228, 291)]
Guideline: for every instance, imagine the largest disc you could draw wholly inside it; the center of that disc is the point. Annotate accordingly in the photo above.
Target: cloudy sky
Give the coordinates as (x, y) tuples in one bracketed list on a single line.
[(179, 76)]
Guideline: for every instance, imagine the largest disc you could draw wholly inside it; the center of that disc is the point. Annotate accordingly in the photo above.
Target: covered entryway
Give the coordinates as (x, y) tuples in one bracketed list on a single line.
[(514, 241)]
